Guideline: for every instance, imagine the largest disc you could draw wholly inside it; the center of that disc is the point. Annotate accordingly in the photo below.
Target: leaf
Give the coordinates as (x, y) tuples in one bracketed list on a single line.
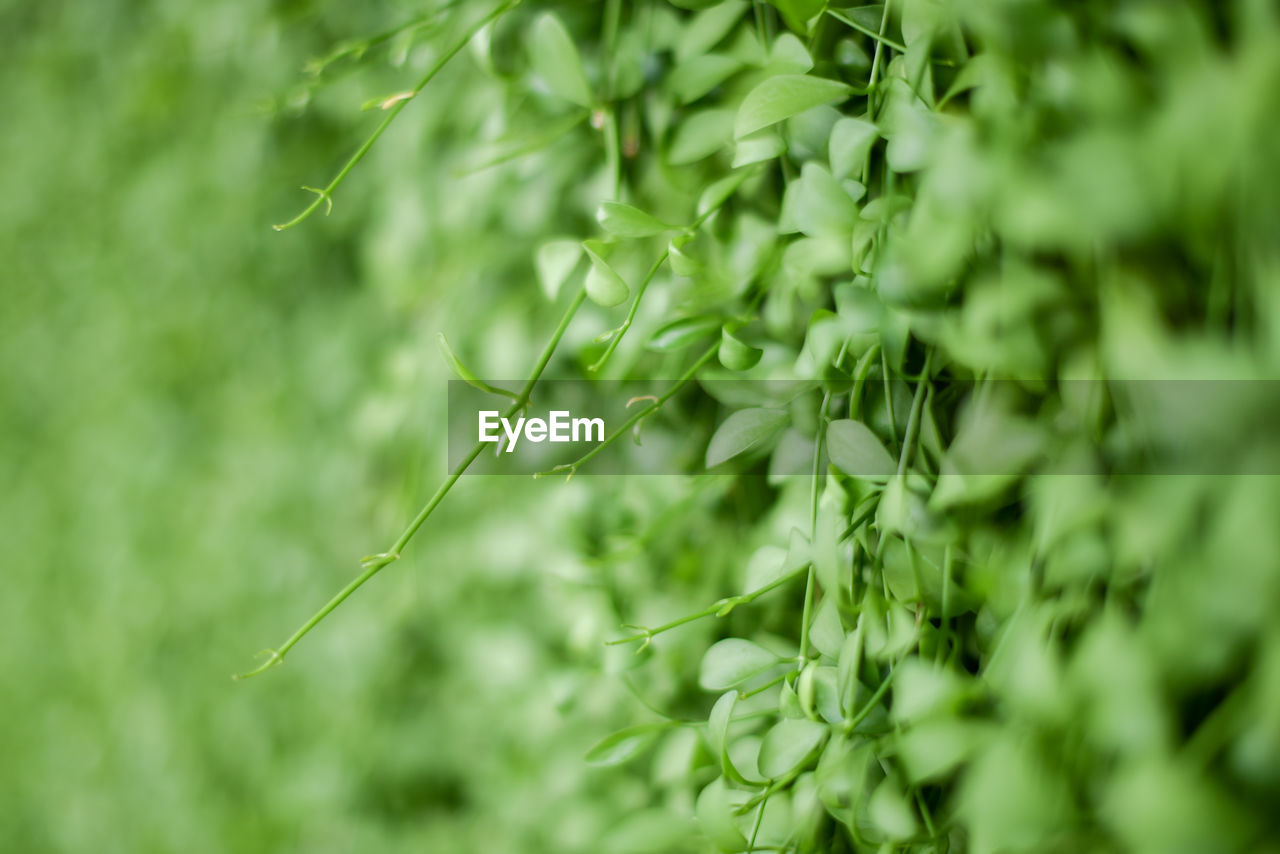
[(757, 148), (707, 28), (731, 662), (817, 204), (690, 80), (858, 452), (826, 632), (700, 135), (784, 96), (851, 140), (885, 208), (932, 749), (627, 221), (624, 744), (788, 744), (682, 333), (604, 285), (787, 55), (826, 681), (735, 354), (890, 812), (556, 62), (464, 374), (719, 192), (920, 690), (554, 261), (744, 430), (797, 12), (682, 263), (715, 811), (718, 722)]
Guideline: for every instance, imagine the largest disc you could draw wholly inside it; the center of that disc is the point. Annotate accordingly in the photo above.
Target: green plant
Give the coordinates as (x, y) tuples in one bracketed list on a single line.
[(989, 629)]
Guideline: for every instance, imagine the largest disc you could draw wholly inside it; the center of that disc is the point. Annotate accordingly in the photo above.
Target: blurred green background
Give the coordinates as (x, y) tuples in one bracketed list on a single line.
[(206, 424)]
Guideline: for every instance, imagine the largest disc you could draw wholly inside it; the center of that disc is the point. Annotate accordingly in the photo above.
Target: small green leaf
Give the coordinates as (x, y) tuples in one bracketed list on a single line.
[(556, 62), (554, 262), (890, 812), (787, 55), (788, 744), (690, 80), (851, 140), (715, 810), (464, 374), (682, 263), (735, 354), (700, 135), (707, 28), (719, 192), (718, 722), (604, 285), (817, 204), (757, 148), (798, 12), (885, 208), (784, 96), (826, 632), (932, 749), (731, 662), (856, 451), (682, 333), (624, 744), (744, 430), (627, 221), (920, 690)]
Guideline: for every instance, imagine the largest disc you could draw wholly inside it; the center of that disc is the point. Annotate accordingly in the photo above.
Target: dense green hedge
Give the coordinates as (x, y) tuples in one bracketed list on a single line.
[(929, 216)]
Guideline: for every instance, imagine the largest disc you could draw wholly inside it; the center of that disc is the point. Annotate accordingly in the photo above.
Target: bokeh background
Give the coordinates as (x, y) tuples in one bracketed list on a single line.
[(205, 424)]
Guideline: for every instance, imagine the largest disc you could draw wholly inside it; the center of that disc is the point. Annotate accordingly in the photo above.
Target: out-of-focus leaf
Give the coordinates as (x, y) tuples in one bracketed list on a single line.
[(743, 431), (556, 62), (731, 662), (784, 96), (856, 451), (603, 284), (788, 744), (624, 744), (628, 221)]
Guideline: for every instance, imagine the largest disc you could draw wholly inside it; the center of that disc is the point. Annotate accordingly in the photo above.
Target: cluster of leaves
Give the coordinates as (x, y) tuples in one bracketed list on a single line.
[(971, 627)]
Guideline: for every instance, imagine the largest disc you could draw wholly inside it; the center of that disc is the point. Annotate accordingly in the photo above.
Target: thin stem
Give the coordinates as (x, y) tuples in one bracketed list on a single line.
[(888, 398), (640, 415), (631, 315), (613, 153), (375, 563), (720, 608), (926, 815), (946, 603), (880, 37), (357, 48), (861, 372), (807, 612), (871, 703), (875, 61), (325, 196), (766, 686), (755, 825), (913, 420)]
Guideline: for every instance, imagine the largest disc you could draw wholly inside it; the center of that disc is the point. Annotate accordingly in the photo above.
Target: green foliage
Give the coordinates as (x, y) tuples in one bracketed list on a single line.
[(932, 219), (950, 235)]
